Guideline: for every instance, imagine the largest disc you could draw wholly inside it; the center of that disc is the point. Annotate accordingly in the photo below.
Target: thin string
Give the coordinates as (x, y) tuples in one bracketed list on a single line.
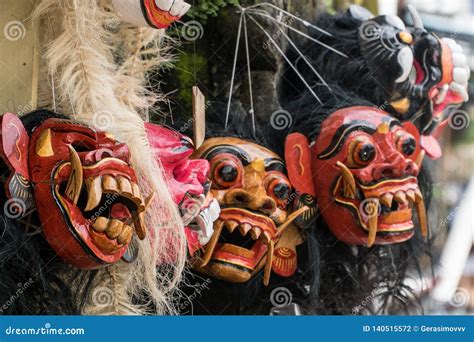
[(233, 71), (252, 112), (304, 22), (266, 15), (286, 58), (303, 56)]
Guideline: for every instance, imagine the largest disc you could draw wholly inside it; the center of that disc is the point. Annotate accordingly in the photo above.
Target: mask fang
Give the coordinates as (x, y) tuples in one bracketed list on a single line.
[(349, 187), (74, 183), (371, 209), (268, 266), (421, 212), (212, 243)]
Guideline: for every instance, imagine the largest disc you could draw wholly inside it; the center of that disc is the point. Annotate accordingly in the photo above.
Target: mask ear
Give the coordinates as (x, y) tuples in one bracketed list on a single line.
[(298, 164), (14, 144)]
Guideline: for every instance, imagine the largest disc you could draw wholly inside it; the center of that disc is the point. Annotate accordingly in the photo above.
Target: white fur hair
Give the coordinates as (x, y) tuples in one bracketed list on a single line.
[(98, 67)]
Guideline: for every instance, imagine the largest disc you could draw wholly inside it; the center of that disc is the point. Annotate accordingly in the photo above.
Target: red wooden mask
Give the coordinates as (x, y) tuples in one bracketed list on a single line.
[(85, 191), (366, 165)]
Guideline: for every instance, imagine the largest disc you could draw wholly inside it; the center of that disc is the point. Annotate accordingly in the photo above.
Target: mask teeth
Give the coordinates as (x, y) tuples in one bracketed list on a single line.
[(400, 197), (349, 187), (74, 184), (411, 196), (94, 192), (268, 265), (212, 243), (421, 212), (372, 208), (387, 199)]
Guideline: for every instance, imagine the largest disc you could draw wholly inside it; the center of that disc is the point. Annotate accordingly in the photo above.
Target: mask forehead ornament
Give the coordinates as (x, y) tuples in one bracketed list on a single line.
[(84, 188), (366, 165), (251, 186)]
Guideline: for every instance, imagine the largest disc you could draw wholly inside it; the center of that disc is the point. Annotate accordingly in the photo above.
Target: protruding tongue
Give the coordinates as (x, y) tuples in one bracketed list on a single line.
[(431, 146), (120, 212)]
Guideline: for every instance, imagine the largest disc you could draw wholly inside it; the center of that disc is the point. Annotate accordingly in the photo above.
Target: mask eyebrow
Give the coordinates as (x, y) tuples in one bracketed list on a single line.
[(236, 151), (341, 134), (273, 164)]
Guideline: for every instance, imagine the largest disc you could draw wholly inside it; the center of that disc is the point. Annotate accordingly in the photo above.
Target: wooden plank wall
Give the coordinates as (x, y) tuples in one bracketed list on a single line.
[(19, 58)]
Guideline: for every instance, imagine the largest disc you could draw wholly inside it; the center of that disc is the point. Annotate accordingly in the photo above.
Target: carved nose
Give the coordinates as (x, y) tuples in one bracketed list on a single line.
[(384, 171), (401, 169), (263, 204), (237, 197), (243, 198), (103, 153)]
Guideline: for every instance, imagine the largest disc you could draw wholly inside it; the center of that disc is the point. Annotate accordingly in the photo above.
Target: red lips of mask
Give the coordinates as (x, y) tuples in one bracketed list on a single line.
[(366, 164)]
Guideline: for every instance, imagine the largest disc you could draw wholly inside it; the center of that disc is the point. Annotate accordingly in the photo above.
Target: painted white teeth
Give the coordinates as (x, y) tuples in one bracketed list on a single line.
[(124, 186), (94, 192), (231, 225), (244, 228), (255, 233), (114, 228), (410, 196), (100, 224), (109, 184), (126, 235), (461, 75), (460, 90), (400, 197), (386, 199), (136, 191), (459, 59)]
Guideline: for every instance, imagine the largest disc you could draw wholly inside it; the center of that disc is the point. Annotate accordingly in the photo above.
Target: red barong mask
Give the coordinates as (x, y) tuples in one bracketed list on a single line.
[(84, 189), (365, 166)]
